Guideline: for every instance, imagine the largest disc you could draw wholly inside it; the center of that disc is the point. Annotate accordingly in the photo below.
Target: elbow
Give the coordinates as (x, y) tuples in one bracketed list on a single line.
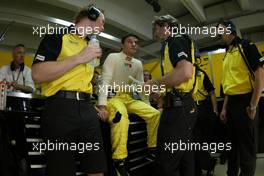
[(259, 75), (185, 69), (187, 74), (36, 77)]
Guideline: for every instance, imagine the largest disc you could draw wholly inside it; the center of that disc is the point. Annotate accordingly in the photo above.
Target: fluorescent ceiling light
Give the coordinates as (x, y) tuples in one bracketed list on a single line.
[(102, 34), (221, 50)]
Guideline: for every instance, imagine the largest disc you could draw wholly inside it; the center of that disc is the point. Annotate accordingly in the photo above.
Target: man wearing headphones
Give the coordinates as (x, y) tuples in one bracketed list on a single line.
[(61, 66), (17, 74), (179, 110), (243, 83)]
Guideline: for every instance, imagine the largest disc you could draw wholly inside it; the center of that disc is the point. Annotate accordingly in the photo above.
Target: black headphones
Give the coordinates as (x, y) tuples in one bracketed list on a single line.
[(13, 66), (93, 13)]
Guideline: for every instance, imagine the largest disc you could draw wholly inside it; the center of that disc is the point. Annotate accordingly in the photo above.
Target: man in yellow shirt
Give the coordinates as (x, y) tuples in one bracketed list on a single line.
[(179, 110), (243, 83), (69, 118), (206, 119)]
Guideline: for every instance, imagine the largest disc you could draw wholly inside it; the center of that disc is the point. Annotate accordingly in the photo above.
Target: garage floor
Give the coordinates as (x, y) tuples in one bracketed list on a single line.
[(220, 170)]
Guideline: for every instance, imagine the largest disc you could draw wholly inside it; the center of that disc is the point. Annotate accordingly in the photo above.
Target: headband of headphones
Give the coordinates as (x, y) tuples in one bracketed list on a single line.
[(93, 13), (229, 24), (13, 66)]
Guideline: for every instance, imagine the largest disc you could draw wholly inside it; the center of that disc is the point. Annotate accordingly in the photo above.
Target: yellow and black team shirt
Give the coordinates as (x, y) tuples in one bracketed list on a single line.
[(204, 86), (57, 47), (236, 78), (176, 49)]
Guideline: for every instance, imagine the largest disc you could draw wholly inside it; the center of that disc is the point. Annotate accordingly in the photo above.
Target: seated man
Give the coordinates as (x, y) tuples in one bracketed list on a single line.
[(117, 69), (17, 74)]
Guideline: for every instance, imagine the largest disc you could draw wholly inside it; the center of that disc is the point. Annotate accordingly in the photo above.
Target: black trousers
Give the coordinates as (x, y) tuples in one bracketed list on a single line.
[(176, 128), (261, 126), (242, 133), (204, 131), (68, 122)]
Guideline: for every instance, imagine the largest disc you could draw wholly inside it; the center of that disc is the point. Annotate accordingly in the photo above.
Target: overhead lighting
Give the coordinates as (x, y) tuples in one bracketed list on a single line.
[(62, 22), (102, 34), (110, 37), (220, 50)]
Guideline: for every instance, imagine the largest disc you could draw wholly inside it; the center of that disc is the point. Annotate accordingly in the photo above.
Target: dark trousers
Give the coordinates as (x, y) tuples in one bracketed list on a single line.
[(242, 133), (204, 131), (72, 123), (176, 127), (261, 126)]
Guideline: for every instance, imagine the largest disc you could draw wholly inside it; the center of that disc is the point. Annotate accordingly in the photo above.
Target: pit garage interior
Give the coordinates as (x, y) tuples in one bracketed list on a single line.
[(19, 18)]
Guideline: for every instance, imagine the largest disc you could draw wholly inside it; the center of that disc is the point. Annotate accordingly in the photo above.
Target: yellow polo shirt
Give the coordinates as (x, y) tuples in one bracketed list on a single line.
[(56, 48)]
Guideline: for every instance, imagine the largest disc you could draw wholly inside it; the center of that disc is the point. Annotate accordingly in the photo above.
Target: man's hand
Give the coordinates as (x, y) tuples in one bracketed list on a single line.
[(11, 84), (147, 86), (14, 84), (89, 53), (151, 86), (216, 112), (155, 96), (251, 112), (102, 112), (223, 116)]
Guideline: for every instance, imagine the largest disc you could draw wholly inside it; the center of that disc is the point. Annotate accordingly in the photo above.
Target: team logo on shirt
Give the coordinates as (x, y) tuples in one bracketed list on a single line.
[(182, 54), (261, 59), (40, 57)]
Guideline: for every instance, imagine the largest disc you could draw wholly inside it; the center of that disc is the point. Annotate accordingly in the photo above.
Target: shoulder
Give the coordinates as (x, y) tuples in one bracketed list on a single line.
[(113, 55), (53, 37), (137, 61), (5, 67), (178, 39), (27, 69)]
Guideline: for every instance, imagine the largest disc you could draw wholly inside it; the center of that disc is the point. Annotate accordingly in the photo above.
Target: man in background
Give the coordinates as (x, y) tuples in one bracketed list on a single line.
[(17, 74), (243, 82), (206, 119)]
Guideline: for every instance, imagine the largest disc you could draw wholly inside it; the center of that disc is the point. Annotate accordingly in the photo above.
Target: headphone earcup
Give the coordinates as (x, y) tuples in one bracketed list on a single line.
[(93, 13), (22, 66), (12, 66)]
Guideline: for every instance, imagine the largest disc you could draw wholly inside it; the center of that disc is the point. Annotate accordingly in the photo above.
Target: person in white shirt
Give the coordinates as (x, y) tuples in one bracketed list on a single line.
[(17, 74), (117, 69)]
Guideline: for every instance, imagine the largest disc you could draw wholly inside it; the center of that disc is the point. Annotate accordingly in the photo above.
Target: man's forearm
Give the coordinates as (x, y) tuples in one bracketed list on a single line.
[(25, 89), (214, 101), (258, 87), (182, 73), (225, 102), (51, 70)]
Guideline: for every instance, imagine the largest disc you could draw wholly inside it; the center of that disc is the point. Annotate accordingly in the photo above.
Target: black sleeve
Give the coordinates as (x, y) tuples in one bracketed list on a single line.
[(252, 55), (179, 49), (209, 87), (49, 49)]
